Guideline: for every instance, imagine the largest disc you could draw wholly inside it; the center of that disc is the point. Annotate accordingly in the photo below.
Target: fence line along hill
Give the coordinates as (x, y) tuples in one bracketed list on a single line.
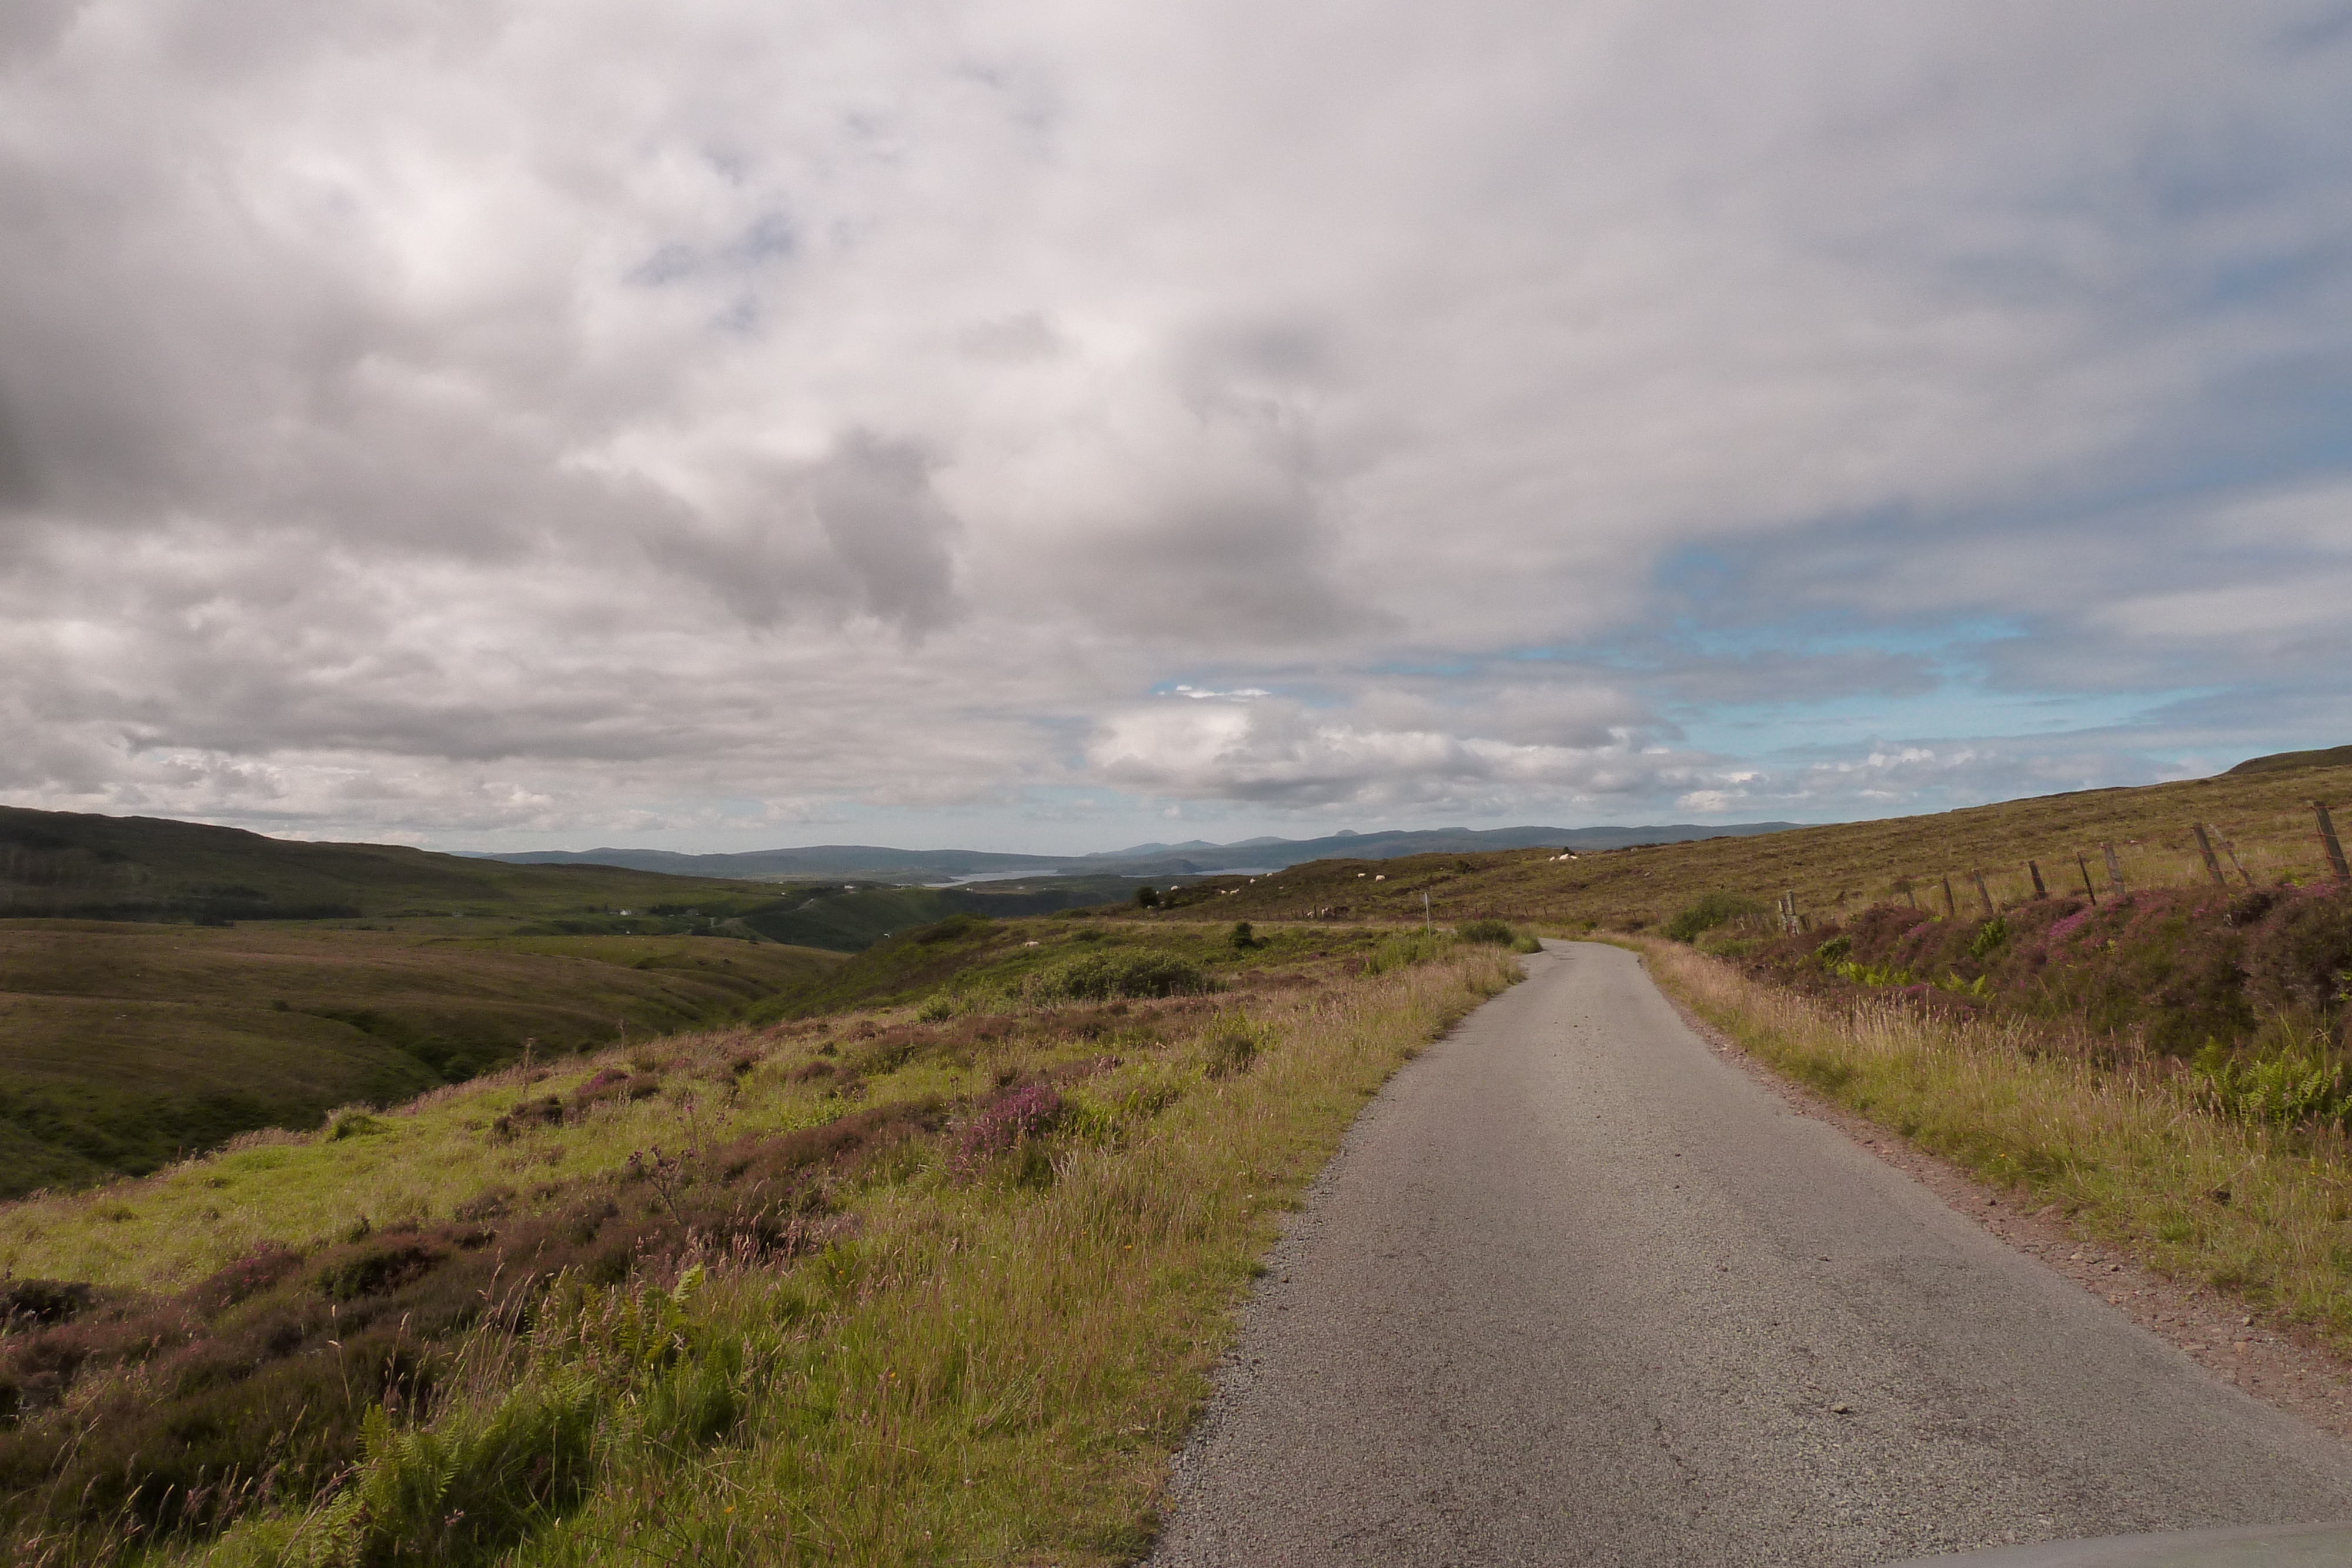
[(2260, 822)]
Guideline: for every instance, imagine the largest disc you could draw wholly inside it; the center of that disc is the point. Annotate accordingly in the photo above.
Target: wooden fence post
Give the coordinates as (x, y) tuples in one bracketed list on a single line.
[(2115, 869), (2232, 850), (2039, 891), (2213, 860), (2327, 841), (1910, 894), (1951, 905), (1978, 877), (2084, 866)]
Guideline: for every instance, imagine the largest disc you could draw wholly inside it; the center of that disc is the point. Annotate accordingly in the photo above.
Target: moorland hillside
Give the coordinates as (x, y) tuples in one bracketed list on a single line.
[(2259, 823), (166, 986)]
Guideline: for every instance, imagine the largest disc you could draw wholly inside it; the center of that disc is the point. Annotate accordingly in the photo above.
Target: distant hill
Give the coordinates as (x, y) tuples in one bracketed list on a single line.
[(856, 862), (1197, 857), (2280, 761), (1277, 853), (73, 865)]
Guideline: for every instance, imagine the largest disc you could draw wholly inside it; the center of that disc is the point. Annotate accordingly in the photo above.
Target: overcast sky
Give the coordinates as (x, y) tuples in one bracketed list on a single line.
[(1037, 424)]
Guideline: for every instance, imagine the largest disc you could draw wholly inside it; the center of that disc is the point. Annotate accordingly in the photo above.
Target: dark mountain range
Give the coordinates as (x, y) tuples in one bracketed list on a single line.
[(859, 862)]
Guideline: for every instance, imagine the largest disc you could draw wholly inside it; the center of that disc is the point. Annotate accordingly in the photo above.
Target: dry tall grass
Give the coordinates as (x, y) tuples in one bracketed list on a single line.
[(2120, 1140)]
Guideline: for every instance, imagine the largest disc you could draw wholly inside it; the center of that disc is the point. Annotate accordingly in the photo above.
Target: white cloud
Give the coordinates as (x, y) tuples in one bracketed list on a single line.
[(1286, 754), (562, 416)]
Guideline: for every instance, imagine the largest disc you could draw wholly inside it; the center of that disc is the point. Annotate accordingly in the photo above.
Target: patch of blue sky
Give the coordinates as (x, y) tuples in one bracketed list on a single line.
[(1432, 666), (1688, 641), (1235, 688), (1953, 713)]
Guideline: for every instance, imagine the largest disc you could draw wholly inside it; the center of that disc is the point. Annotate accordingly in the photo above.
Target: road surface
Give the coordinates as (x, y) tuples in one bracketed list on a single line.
[(1577, 1290)]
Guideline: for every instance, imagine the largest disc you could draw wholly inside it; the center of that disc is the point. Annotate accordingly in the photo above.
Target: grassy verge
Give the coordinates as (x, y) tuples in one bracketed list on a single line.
[(968, 1320), (2123, 1141)]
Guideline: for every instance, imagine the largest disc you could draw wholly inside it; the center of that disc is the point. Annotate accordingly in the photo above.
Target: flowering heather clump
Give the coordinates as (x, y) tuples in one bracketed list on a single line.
[(257, 1271), (1017, 1116), (2175, 967), (2063, 929)]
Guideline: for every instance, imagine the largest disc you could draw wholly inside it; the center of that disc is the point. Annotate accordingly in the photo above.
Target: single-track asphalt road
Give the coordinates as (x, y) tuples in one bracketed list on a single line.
[(1577, 1290)]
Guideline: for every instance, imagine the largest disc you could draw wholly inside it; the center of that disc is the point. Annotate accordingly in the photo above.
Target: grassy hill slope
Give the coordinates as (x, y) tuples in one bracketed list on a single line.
[(2264, 816), (67, 864), (850, 920), (128, 1043)]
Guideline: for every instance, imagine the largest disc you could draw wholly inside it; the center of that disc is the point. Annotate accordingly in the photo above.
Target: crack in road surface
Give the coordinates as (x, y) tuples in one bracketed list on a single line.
[(1577, 1290)]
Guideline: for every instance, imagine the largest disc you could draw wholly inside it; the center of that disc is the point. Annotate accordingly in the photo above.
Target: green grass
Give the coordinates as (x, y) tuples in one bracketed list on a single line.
[(972, 960), (990, 1359), (129, 1044)]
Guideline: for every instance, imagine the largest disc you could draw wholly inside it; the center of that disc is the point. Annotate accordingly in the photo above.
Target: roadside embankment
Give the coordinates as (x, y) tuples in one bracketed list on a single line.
[(2131, 1147)]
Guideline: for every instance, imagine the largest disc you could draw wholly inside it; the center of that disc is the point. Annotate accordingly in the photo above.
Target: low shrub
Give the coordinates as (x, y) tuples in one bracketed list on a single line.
[(1707, 911), (1097, 976), (31, 1302), (1487, 933), (376, 1267), (1016, 1124), (350, 1122)]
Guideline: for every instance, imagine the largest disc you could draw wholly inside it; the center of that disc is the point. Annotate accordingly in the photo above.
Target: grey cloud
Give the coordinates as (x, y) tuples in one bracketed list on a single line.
[(534, 413), (861, 530), (1281, 752), (1026, 336), (19, 484), (875, 500), (32, 26)]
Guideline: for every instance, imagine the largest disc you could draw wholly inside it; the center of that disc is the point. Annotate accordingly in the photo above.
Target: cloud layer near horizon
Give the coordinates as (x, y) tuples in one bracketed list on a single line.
[(453, 422)]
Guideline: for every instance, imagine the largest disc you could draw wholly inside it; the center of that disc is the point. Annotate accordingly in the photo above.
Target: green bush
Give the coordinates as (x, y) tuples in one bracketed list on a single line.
[(1706, 914), (1100, 977), (1490, 933)]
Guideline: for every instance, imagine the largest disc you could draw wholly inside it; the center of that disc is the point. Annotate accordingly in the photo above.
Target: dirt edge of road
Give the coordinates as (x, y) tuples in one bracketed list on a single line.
[(2279, 1364)]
